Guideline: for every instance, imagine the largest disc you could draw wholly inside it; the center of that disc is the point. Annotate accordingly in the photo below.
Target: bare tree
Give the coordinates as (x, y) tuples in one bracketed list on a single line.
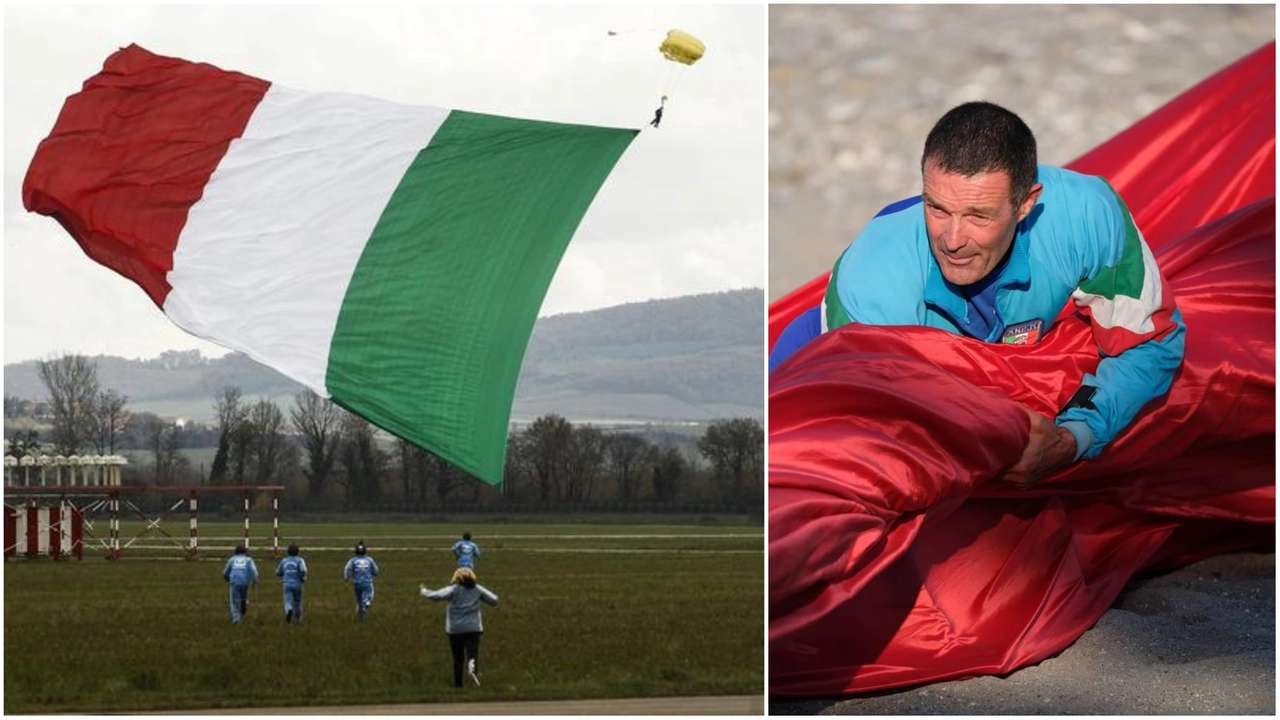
[(736, 451), (231, 451), (626, 453), (319, 422), (421, 469), (669, 470), (412, 475), (447, 476), (110, 418), (547, 444), (583, 463), (264, 441), (72, 381), (164, 440), (360, 458), (517, 471)]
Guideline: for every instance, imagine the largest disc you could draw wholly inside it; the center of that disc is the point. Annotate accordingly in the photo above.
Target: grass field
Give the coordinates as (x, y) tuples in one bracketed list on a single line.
[(587, 611)]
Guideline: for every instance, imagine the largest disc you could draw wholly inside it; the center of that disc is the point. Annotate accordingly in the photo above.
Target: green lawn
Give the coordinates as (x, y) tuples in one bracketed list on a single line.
[(587, 611)]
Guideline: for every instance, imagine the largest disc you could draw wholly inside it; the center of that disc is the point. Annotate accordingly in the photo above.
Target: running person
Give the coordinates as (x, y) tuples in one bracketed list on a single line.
[(466, 551), (360, 572), (463, 622), (241, 572), (293, 571)]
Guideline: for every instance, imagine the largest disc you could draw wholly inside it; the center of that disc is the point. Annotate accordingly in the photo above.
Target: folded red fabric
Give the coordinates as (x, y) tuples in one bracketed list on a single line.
[(896, 558)]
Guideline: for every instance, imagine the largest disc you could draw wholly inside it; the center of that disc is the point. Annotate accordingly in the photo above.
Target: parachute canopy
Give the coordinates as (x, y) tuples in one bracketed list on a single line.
[(682, 47)]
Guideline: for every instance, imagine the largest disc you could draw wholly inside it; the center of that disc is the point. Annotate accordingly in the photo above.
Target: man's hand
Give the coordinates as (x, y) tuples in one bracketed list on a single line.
[(1049, 448)]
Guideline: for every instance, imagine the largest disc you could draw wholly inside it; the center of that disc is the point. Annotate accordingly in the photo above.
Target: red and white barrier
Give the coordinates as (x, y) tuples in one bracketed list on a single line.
[(56, 531)]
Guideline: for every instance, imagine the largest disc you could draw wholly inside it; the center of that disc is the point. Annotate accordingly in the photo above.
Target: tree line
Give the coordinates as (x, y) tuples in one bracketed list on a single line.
[(328, 458)]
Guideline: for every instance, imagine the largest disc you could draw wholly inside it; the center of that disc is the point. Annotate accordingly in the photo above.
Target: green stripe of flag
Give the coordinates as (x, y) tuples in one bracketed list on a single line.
[(1126, 276), (434, 325)]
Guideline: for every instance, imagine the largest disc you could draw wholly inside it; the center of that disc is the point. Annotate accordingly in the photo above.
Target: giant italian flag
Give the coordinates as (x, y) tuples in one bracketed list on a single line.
[(390, 257)]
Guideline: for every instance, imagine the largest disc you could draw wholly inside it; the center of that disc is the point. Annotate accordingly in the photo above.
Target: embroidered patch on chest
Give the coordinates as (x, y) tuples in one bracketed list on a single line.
[(1024, 333)]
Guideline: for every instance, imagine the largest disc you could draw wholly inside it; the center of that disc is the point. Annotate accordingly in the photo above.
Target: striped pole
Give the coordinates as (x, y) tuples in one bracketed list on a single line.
[(55, 529), (114, 503), (33, 529), (194, 550), (275, 522), (246, 519), (77, 532)]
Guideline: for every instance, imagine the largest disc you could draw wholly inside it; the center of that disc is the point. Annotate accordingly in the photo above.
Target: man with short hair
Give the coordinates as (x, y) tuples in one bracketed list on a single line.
[(292, 570), (992, 249), (241, 572), (466, 551)]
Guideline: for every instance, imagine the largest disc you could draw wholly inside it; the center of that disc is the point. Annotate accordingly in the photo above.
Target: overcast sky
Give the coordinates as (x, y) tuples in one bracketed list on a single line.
[(682, 213)]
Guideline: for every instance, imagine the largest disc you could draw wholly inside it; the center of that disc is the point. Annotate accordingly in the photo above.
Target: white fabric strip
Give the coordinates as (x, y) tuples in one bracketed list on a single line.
[(1130, 313), (267, 253)]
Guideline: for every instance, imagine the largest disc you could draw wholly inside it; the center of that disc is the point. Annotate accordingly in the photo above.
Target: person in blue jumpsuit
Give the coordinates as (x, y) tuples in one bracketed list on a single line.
[(292, 570), (994, 248), (241, 572), (466, 551), (360, 572)]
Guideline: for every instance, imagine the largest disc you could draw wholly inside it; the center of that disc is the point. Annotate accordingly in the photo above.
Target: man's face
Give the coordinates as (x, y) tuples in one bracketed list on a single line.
[(971, 221)]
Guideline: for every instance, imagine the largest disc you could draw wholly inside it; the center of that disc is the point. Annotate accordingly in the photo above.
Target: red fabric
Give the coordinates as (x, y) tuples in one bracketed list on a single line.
[(163, 144), (895, 558)]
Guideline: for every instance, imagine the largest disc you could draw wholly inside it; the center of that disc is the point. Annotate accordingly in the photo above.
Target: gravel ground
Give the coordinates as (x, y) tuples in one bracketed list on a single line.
[(853, 90)]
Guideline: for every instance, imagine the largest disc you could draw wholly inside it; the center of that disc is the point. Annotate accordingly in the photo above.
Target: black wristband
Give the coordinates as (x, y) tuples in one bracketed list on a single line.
[(1082, 399)]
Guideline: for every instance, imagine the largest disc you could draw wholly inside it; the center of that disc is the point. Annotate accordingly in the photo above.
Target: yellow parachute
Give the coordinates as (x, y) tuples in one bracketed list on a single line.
[(682, 47)]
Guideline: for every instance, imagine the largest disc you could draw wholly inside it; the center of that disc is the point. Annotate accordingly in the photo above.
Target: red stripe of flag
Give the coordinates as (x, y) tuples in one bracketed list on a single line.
[(122, 167)]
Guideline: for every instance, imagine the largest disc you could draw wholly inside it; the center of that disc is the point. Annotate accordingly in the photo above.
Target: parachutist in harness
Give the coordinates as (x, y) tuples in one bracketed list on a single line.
[(657, 114)]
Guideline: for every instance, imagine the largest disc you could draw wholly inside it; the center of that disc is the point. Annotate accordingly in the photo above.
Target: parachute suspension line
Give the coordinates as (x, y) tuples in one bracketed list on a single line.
[(674, 75)]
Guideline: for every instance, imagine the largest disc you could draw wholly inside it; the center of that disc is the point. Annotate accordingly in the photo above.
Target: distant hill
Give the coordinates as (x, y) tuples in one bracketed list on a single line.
[(692, 358)]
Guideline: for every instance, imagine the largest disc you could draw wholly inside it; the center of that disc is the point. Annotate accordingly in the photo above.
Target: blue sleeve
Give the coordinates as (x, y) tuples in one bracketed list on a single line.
[(1135, 320), (346, 571), (226, 571), (806, 326), (302, 569), (280, 568), (373, 565), (1125, 383), (880, 278)]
